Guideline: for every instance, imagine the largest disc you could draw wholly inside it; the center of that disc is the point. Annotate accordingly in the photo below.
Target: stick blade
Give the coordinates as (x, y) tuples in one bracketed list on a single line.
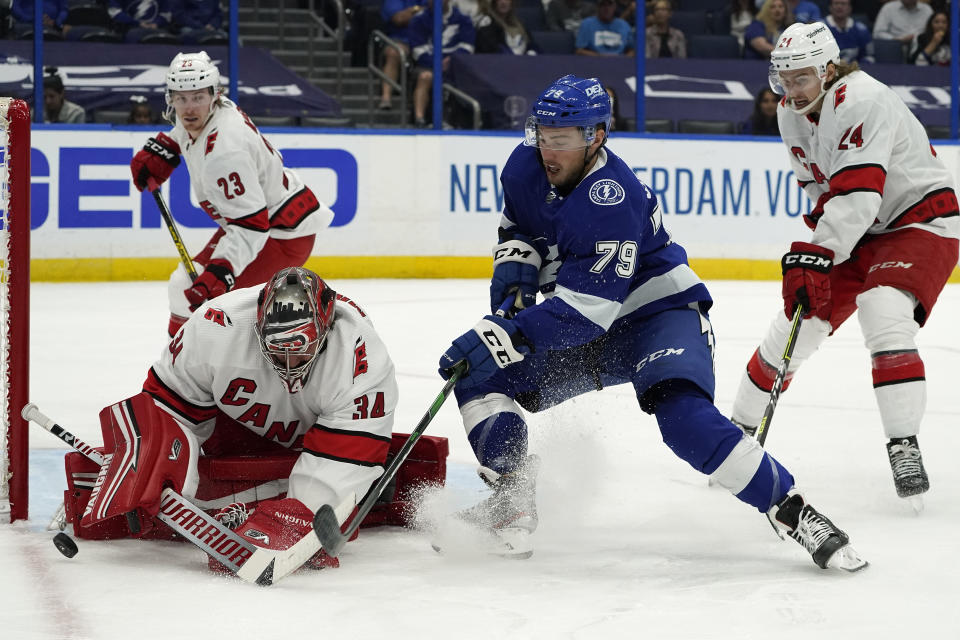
[(265, 579), (327, 528)]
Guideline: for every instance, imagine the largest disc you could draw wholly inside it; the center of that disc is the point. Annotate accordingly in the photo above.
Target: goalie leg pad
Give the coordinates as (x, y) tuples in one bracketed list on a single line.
[(149, 450)]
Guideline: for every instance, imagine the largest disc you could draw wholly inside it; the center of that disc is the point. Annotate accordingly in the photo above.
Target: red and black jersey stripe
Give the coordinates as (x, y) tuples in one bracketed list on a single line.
[(191, 413), (941, 203), (858, 178), (258, 221), (353, 447), (295, 210)]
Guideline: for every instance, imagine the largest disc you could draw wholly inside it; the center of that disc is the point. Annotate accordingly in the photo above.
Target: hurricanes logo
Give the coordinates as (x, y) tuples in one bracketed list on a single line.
[(606, 192)]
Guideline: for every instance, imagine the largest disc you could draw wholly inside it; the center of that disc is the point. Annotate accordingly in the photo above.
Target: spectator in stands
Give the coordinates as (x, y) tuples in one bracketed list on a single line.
[(54, 13), (604, 34), (932, 47), (617, 123), (459, 38), (396, 15), (627, 10), (196, 19), (758, 38), (139, 18), (568, 15), (742, 13), (804, 11), (500, 31), (56, 107), (469, 8), (853, 37), (140, 111), (901, 20), (763, 120), (664, 41)]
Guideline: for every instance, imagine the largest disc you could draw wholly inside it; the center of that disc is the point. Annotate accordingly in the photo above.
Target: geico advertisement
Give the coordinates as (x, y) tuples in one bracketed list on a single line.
[(410, 195)]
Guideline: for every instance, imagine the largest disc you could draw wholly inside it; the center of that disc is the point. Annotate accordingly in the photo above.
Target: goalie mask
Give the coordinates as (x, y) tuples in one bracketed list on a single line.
[(294, 314), (801, 46)]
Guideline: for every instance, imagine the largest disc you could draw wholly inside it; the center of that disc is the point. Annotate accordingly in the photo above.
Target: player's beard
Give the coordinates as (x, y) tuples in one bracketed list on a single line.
[(566, 186)]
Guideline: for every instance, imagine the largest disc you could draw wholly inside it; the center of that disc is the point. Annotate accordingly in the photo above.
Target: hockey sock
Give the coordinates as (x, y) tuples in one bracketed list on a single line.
[(901, 389), (500, 442), (697, 432)]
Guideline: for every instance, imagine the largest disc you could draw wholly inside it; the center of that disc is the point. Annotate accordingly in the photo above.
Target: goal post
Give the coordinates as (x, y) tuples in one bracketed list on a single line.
[(14, 305)]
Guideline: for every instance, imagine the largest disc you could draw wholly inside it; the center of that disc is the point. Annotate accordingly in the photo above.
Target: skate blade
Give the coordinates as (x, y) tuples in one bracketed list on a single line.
[(509, 543), (847, 559), (916, 502)]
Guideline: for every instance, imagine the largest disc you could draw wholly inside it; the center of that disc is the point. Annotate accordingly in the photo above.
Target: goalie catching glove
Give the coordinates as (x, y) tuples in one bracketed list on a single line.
[(275, 524), (216, 279), (491, 345), (806, 280), (153, 164)]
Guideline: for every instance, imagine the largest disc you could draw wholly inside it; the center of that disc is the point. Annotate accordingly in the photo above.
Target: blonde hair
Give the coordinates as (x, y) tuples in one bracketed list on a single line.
[(773, 28), (842, 69), (510, 23)]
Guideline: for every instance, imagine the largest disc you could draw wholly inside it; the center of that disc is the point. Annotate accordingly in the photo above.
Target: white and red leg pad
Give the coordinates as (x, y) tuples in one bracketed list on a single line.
[(224, 479), (147, 450), (279, 524)]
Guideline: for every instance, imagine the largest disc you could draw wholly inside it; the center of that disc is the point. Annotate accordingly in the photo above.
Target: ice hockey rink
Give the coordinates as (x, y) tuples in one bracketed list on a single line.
[(632, 542)]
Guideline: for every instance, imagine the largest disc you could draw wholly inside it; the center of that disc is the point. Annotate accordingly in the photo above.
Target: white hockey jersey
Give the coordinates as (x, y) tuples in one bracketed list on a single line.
[(341, 419), (239, 179), (868, 165)]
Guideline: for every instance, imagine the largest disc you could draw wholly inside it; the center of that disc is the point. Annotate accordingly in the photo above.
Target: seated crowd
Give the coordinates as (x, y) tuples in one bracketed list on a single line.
[(867, 31)]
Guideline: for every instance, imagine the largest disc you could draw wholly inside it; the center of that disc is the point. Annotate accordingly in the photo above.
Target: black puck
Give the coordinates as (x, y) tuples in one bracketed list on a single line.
[(65, 544)]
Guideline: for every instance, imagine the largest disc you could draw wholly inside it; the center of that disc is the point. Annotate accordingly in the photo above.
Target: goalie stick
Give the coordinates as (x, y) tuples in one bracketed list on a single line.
[(326, 524), (764, 427), (175, 234), (191, 522)]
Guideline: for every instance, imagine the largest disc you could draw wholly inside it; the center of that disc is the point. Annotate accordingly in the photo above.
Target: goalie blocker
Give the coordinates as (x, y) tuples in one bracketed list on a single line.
[(259, 474)]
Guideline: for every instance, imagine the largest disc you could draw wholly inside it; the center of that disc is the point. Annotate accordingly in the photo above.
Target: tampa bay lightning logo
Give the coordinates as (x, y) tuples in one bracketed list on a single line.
[(606, 192)]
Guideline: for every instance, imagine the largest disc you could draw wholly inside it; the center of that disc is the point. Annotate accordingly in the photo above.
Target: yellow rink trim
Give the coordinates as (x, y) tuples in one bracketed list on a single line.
[(106, 269)]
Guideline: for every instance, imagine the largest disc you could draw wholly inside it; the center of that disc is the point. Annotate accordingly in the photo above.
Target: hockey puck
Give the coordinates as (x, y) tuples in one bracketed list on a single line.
[(65, 544)]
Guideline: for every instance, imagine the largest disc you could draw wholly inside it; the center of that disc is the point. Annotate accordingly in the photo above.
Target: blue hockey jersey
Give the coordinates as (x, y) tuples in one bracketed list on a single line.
[(607, 258)]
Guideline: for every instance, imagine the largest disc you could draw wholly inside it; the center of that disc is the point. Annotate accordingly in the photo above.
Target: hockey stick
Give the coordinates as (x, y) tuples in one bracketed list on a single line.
[(175, 234), (325, 523), (764, 425), (178, 513)]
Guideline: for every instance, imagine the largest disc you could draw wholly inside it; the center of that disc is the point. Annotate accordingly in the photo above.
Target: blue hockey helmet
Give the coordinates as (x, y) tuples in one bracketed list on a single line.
[(570, 102)]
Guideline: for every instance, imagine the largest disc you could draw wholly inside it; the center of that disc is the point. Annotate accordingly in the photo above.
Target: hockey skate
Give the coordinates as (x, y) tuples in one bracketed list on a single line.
[(509, 516), (909, 476), (823, 540)]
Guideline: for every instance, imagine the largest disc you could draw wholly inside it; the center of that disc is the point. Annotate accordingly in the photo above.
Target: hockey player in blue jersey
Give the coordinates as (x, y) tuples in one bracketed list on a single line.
[(621, 305)]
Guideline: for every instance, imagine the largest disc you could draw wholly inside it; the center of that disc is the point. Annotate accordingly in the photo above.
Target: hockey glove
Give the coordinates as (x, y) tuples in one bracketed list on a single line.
[(215, 280), (490, 346), (155, 162), (276, 524), (516, 273), (806, 280)]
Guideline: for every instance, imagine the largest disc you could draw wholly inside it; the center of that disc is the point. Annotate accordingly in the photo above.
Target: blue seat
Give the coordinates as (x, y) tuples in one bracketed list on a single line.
[(707, 126), (713, 46), (703, 6), (531, 17), (691, 23), (554, 42), (888, 51)]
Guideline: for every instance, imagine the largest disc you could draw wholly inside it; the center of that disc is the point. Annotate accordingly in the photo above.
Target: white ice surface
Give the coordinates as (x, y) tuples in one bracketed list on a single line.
[(632, 543)]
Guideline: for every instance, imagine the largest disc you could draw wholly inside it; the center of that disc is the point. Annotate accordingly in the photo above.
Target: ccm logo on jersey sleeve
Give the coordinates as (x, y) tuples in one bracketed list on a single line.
[(606, 192)]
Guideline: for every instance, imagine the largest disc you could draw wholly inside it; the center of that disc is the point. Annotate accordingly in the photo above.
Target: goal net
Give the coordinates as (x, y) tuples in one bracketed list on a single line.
[(14, 304)]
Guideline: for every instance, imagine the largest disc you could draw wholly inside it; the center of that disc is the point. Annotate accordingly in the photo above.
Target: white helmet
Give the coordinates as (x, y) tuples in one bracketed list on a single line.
[(801, 46), (189, 72)]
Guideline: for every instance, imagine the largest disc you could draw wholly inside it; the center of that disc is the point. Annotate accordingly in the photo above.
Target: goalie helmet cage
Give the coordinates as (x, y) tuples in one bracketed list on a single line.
[(15, 304)]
